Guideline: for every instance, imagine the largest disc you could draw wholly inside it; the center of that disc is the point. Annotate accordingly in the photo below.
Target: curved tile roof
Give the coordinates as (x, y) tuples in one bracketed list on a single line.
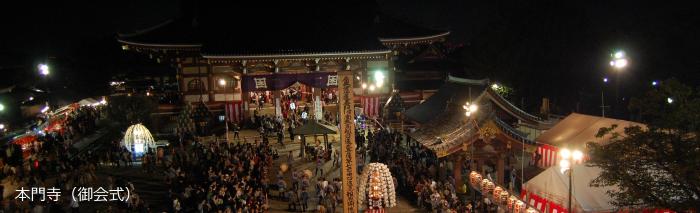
[(286, 29)]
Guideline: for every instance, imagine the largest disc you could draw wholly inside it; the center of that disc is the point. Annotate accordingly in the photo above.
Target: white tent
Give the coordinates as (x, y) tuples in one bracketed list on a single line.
[(553, 186), (88, 102)]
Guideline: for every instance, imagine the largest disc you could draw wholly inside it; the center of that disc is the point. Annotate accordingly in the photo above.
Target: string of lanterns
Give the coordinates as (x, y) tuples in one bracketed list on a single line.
[(498, 194)]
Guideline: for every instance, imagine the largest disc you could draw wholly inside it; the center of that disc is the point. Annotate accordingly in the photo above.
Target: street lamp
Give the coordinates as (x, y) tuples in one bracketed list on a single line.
[(568, 158), (619, 61), (602, 97)]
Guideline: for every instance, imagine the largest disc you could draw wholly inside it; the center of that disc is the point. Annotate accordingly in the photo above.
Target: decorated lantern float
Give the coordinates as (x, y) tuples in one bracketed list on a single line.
[(377, 188), (138, 139)]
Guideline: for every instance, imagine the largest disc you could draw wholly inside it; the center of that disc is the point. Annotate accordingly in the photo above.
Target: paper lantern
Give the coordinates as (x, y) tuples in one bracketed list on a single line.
[(484, 186), (497, 192), (504, 197), (489, 188), (472, 177), (511, 201), (519, 206)]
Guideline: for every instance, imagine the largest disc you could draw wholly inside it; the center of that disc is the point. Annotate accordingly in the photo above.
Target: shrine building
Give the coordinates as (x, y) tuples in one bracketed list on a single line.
[(224, 54)]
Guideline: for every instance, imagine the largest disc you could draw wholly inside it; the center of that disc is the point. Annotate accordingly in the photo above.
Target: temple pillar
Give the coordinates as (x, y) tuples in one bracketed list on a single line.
[(458, 172), (500, 170), (278, 106), (245, 98), (318, 106)]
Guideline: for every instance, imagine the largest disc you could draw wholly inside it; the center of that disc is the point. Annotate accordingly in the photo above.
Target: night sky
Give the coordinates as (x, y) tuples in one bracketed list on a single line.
[(556, 49)]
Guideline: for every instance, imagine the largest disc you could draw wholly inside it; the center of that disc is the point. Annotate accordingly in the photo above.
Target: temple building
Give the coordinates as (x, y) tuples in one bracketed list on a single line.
[(223, 57), (493, 139)]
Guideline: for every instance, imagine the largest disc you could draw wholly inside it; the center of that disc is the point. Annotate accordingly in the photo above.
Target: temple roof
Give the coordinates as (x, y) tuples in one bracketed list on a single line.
[(390, 28), (313, 127), (453, 90), (286, 29)]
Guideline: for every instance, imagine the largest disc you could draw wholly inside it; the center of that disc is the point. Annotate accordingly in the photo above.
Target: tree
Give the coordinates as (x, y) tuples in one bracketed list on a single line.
[(657, 165), (127, 110)]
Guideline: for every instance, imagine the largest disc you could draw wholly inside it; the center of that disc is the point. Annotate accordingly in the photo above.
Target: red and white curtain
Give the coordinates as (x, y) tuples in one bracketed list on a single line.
[(556, 208), (370, 105), (537, 202), (549, 155), (234, 111)]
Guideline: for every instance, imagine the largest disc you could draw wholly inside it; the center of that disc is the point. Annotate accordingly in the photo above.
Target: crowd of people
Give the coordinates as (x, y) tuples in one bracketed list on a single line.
[(416, 171), (56, 163), (220, 177)]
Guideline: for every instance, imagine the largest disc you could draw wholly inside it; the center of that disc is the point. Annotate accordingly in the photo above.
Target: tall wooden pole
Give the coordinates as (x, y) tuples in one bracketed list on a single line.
[(347, 137)]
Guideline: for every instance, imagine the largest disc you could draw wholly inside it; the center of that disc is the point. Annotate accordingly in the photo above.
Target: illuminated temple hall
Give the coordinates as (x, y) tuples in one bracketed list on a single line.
[(222, 57)]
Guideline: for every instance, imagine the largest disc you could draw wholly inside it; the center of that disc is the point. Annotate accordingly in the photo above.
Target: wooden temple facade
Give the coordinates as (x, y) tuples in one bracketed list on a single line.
[(221, 56), (491, 136)]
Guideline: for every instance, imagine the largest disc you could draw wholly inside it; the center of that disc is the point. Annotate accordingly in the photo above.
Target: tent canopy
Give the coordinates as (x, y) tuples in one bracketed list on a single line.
[(313, 127), (553, 185), (576, 130), (88, 102)]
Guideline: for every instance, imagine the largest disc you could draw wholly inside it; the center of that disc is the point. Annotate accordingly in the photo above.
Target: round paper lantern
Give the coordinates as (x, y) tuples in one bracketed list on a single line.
[(497, 192), (511, 201), (284, 167), (504, 197), (484, 186), (472, 177), (489, 188), (519, 206)]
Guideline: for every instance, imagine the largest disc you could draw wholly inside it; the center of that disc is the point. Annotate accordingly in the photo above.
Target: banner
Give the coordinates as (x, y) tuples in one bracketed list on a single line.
[(234, 111), (370, 104), (318, 108), (280, 81), (347, 138)]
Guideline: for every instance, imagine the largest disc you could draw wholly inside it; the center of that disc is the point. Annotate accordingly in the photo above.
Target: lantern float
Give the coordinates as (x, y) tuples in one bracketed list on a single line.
[(377, 188), (138, 139)]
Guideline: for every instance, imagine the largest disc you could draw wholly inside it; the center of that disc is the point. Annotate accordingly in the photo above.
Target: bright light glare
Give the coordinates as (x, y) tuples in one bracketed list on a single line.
[(45, 109), (2, 126), (44, 69), (2, 107), (565, 153), (379, 78), (619, 63), (138, 148), (577, 155), (473, 108), (605, 80), (669, 100), (371, 87), (364, 85), (222, 82), (654, 83), (619, 54), (494, 86), (31, 98), (468, 113)]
